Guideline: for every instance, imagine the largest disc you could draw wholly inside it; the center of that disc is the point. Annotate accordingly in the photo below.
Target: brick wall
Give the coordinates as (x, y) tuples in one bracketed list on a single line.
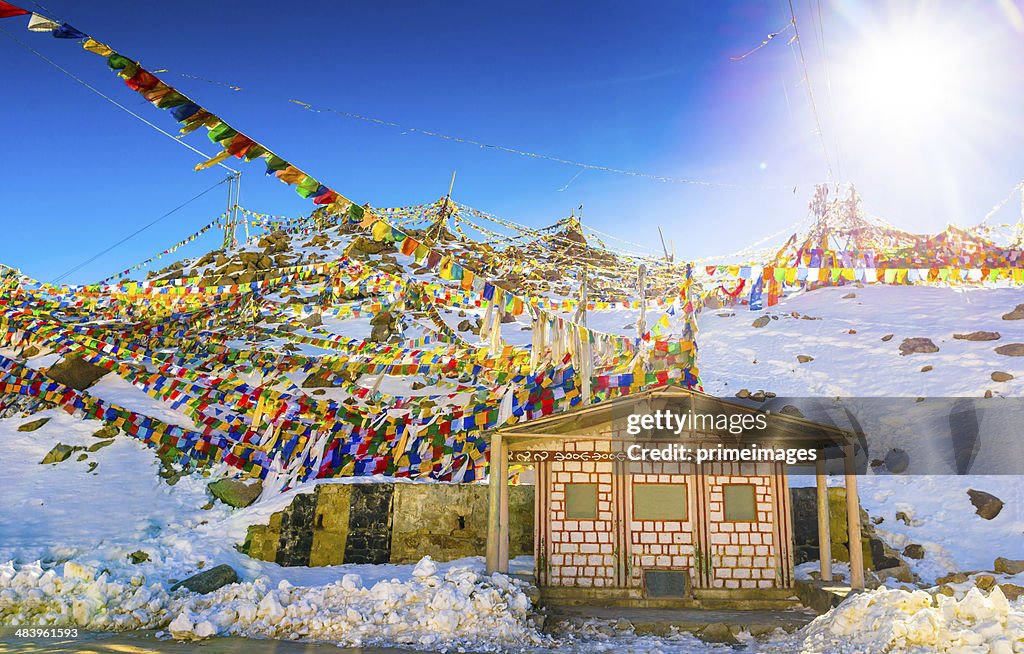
[(665, 544), (743, 554), (581, 552)]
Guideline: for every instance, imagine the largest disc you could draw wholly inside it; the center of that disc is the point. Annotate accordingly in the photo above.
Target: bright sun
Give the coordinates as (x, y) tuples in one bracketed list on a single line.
[(903, 86), (908, 77)]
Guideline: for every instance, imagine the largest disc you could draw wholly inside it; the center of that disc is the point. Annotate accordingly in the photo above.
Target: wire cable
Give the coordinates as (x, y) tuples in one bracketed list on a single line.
[(810, 91), (137, 232), (109, 99)]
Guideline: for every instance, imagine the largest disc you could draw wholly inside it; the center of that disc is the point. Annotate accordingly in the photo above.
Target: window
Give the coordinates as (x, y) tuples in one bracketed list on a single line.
[(659, 501), (581, 501), (740, 502)]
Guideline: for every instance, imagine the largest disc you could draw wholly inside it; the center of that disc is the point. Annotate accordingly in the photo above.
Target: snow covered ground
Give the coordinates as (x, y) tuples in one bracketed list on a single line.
[(69, 530)]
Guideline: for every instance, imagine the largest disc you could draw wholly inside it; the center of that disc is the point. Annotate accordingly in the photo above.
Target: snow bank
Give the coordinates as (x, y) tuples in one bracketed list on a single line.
[(462, 608), (430, 610), (913, 622), (30, 595)]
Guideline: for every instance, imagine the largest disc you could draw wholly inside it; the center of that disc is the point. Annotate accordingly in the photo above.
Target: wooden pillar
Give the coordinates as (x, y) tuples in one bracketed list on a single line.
[(853, 521), (824, 536), (503, 510), (493, 503)]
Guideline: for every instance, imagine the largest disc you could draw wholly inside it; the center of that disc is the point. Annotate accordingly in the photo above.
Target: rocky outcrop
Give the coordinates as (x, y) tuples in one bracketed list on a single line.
[(1011, 350), (977, 336), (986, 505), (208, 581), (72, 371), (1016, 314), (34, 425), (918, 345), (235, 492), (1006, 566), (60, 452)]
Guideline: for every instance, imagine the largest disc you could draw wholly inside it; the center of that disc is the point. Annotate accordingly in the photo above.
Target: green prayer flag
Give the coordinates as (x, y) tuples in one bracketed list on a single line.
[(118, 62), (221, 132)]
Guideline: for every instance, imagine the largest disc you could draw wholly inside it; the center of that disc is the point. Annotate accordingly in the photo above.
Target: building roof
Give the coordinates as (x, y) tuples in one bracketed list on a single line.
[(782, 430)]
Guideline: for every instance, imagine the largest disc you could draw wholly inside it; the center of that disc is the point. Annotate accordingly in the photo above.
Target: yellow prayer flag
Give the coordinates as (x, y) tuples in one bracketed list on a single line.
[(92, 45), (213, 161)]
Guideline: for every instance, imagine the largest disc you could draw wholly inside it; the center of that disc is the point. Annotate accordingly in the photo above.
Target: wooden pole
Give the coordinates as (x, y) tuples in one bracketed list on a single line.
[(853, 521), (493, 503), (586, 355), (503, 528), (824, 537), (663, 248), (641, 325)]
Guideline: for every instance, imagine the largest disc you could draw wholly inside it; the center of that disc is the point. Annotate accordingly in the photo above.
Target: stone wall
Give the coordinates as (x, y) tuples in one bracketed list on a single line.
[(388, 523), (877, 554)]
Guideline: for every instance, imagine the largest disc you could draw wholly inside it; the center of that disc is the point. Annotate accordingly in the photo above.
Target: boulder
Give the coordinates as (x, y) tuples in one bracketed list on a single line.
[(34, 425), (107, 431), (1011, 350), (927, 368), (99, 445), (717, 632), (316, 381), (138, 556), (848, 296), (986, 505), (364, 246), (312, 320), (208, 581), (804, 358), (1013, 592), (235, 492), (743, 393), (917, 346), (953, 578), (761, 321), (977, 336), (60, 452), (914, 551), (984, 582), (887, 338), (1000, 376), (76, 373), (1008, 566), (1016, 314)]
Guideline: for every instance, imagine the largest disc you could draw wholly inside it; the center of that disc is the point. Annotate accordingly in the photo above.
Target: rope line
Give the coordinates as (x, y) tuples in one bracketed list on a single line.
[(490, 146), (109, 99), (137, 232)]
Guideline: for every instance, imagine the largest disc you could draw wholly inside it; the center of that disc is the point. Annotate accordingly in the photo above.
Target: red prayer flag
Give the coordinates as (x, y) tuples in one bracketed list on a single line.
[(142, 81), (240, 144), (327, 198), (7, 10)]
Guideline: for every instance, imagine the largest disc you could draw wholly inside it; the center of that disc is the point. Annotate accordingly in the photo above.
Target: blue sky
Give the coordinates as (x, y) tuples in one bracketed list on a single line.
[(644, 86)]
